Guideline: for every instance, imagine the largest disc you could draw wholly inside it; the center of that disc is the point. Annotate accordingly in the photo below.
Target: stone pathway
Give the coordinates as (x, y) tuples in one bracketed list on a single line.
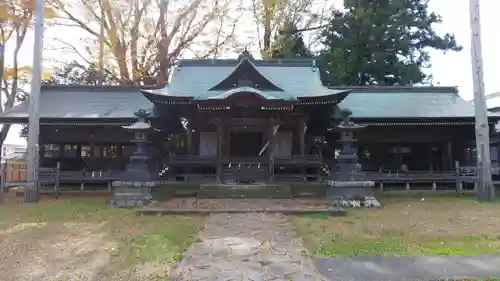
[(247, 247), (410, 268)]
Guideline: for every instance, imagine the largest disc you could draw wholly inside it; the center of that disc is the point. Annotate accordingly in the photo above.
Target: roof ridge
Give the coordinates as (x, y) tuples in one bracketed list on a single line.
[(398, 89), (300, 62), (493, 95), (106, 88)]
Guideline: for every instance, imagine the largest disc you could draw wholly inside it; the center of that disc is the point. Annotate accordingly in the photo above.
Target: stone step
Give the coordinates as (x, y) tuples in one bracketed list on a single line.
[(245, 191)]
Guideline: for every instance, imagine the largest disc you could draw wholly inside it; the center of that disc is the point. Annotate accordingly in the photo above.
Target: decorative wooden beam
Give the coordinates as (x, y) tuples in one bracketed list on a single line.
[(387, 124), (317, 102), (214, 108), (112, 124)]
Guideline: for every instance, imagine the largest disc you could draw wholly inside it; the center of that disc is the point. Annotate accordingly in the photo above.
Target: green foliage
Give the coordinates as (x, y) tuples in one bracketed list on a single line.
[(289, 44), (381, 42), (75, 73)]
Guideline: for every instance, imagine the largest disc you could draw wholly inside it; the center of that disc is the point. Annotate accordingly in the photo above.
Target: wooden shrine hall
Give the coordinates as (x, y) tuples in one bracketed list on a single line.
[(241, 124), (246, 120)]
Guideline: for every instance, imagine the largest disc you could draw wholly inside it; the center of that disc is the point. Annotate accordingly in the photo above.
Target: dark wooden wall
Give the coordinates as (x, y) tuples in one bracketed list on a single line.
[(417, 134)]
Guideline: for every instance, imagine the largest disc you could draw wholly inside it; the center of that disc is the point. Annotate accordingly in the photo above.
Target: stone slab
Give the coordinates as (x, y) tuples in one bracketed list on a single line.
[(409, 268), (130, 194), (247, 247), (155, 211), (349, 192), (138, 183), (352, 184)]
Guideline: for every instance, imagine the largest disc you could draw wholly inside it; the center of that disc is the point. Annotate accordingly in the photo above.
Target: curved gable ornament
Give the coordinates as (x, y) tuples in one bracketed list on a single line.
[(245, 55), (244, 81)]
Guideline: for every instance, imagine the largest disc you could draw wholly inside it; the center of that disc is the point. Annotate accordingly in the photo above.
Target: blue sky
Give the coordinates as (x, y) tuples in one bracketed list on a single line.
[(450, 69)]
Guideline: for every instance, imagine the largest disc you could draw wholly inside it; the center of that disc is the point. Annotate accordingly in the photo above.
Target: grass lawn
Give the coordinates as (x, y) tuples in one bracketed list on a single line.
[(83, 239), (436, 225)]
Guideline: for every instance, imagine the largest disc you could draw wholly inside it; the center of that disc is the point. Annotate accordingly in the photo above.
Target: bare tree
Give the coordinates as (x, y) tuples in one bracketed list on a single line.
[(15, 21), (271, 15), (145, 37)]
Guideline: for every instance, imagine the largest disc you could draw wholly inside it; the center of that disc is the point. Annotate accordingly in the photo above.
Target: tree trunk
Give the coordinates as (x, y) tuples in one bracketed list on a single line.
[(2, 61), (267, 40), (3, 135)]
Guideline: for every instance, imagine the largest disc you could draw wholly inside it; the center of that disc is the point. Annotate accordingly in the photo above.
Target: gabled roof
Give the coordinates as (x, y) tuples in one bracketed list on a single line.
[(246, 74), (193, 79), (83, 102), (374, 102)]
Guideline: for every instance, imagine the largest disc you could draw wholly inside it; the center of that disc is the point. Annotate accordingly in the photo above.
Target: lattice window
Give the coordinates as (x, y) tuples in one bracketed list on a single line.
[(51, 151), (85, 151), (110, 151), (70, 150)]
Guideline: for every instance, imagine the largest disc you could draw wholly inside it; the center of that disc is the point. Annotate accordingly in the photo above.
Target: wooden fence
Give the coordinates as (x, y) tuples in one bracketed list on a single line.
[(460, 176), (50, 179)]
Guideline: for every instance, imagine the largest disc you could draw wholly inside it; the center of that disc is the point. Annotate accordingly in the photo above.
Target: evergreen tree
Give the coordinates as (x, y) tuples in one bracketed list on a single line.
[(381, 42)]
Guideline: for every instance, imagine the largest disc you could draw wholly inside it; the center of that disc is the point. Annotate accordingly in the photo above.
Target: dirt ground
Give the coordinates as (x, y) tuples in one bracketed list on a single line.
[(84, 240), (48, 251)]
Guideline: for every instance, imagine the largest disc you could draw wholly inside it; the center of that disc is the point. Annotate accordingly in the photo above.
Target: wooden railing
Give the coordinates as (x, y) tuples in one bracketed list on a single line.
[(48, 178), (246, 160), (460, 176), (298, 160), (55, 177), (185, 159), (201, 160)]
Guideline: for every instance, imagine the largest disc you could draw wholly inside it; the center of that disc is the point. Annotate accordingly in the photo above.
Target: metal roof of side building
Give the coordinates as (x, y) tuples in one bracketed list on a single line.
[(74, 102), (115, 102), (493, 102), (407, 102)]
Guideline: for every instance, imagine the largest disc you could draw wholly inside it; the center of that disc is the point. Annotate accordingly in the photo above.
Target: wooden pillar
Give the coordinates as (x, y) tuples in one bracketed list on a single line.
[(270, 151), (3, 178), (302, 146), (218, 165), (430, 157), (301, 134), (41, 154), (189, 142), (226, 140), (458, 181), (449, 155), (189, 147)]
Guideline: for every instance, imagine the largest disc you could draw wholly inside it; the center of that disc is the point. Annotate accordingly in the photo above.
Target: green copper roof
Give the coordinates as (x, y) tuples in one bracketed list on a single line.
[(116, 102), (195, 78), (84, 102), (406, 102)]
